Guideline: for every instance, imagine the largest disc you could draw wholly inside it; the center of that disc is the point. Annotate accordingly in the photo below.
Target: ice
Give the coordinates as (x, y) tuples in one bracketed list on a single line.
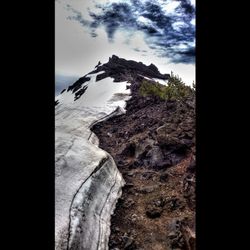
[(78, 168)]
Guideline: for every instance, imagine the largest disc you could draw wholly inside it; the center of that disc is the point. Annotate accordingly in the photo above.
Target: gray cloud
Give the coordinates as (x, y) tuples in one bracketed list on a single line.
[(170, 34)]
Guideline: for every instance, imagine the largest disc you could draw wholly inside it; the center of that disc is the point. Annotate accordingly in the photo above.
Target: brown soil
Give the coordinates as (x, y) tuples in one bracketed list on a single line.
[(157, 207)]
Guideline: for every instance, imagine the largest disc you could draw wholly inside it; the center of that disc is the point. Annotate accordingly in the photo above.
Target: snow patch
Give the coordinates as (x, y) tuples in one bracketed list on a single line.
[(161, 81), (77, 160)]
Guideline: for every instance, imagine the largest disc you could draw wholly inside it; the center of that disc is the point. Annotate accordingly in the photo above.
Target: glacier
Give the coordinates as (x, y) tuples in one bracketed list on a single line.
[(87, 181)]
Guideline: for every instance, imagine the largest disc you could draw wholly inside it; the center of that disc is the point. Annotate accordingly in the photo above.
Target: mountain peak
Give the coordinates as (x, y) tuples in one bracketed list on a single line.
[(120, 69)]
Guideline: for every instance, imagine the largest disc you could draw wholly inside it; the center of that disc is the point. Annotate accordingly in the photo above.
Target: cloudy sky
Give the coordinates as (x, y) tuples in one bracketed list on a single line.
[(151, 31)]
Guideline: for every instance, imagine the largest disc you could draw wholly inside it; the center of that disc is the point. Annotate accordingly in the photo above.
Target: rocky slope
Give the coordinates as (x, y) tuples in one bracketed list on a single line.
[(153, 145)]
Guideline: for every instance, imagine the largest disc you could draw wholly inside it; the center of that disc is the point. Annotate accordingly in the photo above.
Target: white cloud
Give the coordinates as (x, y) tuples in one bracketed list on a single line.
[(177, 25), (193, 2), (144, 20), (169, 6), (193, 21)]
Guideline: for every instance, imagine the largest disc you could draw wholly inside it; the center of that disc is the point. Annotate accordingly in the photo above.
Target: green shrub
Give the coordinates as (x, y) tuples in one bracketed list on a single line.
[(175, 89), (148, 88)]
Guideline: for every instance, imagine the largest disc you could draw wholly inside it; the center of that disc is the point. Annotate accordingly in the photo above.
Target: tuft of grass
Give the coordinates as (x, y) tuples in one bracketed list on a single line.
[(175, 89)]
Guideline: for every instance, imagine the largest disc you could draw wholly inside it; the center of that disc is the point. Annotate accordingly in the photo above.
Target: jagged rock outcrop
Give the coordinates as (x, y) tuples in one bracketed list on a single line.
[(120, 70)]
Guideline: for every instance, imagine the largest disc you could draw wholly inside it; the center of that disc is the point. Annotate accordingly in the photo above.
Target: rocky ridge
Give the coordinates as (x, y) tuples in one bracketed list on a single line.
[(153, 145), (120, 70)]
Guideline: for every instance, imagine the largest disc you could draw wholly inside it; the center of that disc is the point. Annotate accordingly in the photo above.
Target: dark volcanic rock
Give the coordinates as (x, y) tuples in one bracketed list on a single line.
[(181, 236), (166, 136), (78, 84), (99, 63), (80, 92), (155, 208), (63, 91), (121, 70), (189, 184), (156, 158), (129, 243), (174, 203), (164, 177), (129, 150), (175, 236), (153, 212)]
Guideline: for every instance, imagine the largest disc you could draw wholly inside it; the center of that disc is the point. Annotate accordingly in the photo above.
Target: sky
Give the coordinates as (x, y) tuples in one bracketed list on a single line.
[(161, 32)]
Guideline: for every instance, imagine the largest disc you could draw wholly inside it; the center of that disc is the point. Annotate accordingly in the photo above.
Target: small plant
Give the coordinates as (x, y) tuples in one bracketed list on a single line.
[(175, 90)]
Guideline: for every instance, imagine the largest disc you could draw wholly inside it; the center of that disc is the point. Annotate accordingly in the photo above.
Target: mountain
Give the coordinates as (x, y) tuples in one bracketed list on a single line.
[(125, 147), (120, 70)]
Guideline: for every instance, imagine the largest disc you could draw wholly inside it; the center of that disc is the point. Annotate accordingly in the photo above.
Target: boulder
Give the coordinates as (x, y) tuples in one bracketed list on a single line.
[(153, 211), (175, 235), (164, 177), (155, 208)]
